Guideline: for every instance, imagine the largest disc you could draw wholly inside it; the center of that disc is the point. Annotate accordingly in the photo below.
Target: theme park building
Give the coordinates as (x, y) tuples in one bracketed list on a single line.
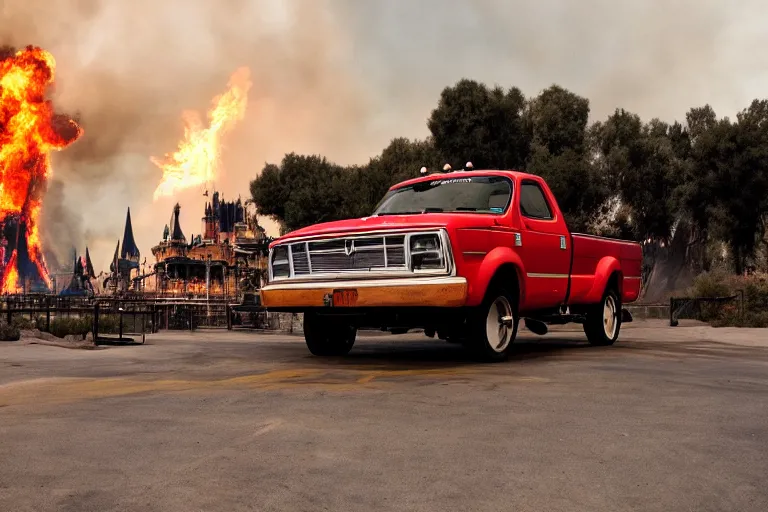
[(226, 261)]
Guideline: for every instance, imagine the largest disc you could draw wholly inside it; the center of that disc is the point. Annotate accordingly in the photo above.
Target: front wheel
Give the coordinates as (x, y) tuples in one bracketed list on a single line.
[(603, 321), (328, 336), (494, 326)]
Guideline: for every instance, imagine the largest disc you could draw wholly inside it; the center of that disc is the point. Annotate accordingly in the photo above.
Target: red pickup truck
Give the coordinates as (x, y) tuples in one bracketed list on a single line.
[(463, 255)]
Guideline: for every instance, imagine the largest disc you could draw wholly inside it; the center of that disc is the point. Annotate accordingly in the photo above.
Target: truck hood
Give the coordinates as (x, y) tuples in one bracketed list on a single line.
[(450, 220)]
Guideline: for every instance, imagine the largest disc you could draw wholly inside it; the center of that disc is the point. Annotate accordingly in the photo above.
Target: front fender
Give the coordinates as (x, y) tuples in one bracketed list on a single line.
[(605, 268), (487, 269)]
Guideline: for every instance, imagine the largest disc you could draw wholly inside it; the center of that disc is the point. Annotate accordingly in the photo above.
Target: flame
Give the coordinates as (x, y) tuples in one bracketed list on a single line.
[(29, 131), (196, 160), (11, 278)]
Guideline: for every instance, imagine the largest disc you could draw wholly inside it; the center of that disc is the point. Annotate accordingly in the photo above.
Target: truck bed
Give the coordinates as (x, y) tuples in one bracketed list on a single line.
[(588, 253)]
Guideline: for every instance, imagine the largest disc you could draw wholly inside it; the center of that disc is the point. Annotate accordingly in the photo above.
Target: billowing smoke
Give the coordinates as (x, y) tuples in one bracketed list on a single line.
[(127, 70), (341, 78)]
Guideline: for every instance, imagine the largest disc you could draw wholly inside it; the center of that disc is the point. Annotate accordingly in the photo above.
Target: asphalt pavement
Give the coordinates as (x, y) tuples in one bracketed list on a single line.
[(667, 419)]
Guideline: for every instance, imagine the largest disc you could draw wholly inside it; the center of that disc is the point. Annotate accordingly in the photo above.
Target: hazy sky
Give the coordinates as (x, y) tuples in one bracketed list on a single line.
[(343, 77)]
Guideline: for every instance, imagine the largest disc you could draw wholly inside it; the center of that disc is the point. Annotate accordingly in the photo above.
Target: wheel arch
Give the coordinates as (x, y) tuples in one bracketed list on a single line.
[(608, 273), (500, 265)]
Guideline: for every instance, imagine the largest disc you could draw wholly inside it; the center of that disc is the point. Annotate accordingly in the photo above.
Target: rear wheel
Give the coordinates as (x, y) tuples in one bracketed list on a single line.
[(328, 336), (494, 326), (603, 321)]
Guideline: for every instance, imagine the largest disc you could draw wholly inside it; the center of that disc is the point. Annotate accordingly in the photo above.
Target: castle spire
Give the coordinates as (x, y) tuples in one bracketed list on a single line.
[(176, 233), (89, 271), (130, 250)]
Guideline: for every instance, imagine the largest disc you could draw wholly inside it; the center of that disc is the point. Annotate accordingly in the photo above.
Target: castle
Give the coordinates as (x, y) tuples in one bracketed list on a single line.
[(225, 261)]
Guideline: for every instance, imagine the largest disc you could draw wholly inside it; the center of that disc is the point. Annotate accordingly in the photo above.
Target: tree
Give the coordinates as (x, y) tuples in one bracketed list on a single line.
[(303, 190), (700, 120), (558, 121), (485, 126), (726, 188), (269, 194), (641, 166)]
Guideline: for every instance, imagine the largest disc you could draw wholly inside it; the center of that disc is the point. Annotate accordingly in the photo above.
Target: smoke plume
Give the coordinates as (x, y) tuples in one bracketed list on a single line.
[(341, 78)]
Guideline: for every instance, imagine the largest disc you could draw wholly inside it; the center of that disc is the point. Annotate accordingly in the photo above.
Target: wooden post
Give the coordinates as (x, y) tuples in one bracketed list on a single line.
[(672, 321), (229, 317), (96, 321)]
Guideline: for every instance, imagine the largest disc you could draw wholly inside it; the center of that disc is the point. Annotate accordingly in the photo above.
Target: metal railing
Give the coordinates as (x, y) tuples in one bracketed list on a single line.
[(105, 316), (702, 308), (81, 315)]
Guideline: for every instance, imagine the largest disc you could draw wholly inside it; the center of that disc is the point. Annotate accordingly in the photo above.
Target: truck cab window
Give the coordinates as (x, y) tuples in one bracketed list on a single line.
[(533, 204)]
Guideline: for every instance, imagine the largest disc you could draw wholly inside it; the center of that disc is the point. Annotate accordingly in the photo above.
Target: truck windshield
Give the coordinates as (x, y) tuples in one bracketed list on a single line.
[(476, 194)]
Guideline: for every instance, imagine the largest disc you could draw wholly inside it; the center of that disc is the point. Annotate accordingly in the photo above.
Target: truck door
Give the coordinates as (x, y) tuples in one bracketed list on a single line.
[(545, 249)]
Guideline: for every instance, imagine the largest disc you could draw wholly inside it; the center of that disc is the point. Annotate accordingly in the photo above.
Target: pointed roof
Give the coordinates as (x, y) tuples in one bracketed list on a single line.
[(77, 268), (176, 233), (113, 265), (130, 250), (89, 271)]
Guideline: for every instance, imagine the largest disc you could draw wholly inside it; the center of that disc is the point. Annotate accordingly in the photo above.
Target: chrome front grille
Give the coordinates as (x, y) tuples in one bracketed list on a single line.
[(381, 255), (341, 255)]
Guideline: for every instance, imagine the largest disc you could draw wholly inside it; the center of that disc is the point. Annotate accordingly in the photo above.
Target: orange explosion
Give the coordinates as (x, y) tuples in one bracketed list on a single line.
[(195, 162), (29, 130)]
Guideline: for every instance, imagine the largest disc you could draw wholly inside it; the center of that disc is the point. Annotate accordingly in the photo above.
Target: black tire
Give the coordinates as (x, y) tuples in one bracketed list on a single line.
[(328, 336), (486, 346), (598, 327)]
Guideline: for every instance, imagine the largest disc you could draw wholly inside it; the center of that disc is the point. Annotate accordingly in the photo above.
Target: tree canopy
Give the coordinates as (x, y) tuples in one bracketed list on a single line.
[(618, 176)]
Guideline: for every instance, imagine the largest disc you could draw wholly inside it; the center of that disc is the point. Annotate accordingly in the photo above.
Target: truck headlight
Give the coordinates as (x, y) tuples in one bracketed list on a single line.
[(280, 264), (426, 252)]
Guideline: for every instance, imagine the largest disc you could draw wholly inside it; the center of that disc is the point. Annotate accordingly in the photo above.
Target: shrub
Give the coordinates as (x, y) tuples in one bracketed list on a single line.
[(719, 284), (9, 332), (61, 327), (23, 323), (711, 284)]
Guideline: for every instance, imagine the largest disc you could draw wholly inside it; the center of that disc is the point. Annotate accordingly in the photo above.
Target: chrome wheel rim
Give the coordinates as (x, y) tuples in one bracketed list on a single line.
[(498, 329), (610, 316)]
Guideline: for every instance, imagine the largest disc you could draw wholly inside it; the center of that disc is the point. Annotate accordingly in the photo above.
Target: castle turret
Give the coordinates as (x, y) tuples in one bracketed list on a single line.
[(176, 233), (130, 251), (209, 223), (89, 270)]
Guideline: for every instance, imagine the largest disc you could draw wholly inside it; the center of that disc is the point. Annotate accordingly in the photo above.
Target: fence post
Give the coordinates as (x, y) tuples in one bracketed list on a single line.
[(741, 306), (229, 317), (191, 319), (47, 314), (672, 321), (120, 311), (95, 321)]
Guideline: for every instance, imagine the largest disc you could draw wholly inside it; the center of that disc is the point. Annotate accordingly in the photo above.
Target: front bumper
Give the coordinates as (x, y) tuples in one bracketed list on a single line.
[(405, 292)]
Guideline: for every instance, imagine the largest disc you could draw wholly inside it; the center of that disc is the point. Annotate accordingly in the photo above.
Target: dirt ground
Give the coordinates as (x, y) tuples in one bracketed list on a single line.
[(667, 419)]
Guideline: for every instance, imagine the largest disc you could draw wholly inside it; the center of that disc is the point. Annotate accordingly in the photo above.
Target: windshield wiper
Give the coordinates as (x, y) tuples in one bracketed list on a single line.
[(466, 209), (396, 213), (425, 210)]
